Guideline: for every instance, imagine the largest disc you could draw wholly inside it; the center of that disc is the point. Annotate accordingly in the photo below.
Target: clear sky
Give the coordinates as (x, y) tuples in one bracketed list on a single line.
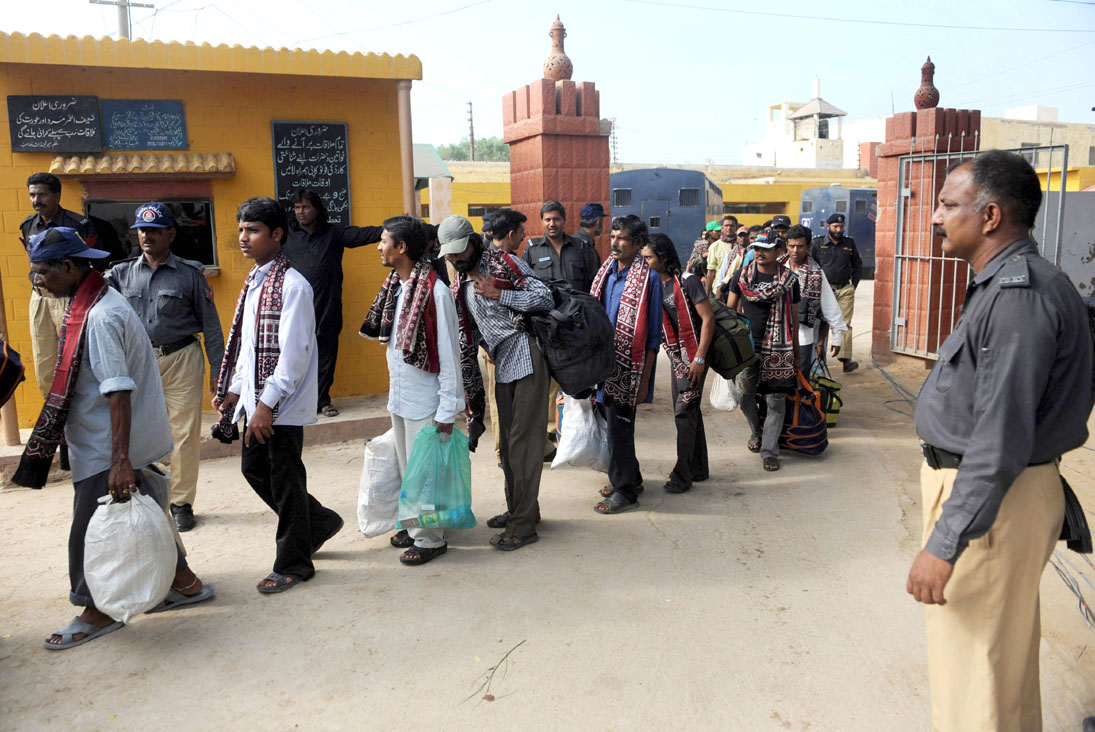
[(686, 80)]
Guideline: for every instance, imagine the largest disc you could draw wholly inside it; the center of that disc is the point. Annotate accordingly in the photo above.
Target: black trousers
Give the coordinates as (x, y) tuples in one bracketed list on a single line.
[(691, 438), (327, 351), (276, 473), (84, 502), (623, 467)]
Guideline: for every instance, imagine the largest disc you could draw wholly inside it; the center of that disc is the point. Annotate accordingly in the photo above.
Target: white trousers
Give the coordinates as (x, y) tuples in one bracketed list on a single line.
[(406, 430)]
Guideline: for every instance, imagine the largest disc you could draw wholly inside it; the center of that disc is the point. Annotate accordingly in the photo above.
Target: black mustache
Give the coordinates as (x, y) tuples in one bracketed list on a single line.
[(939, 231)]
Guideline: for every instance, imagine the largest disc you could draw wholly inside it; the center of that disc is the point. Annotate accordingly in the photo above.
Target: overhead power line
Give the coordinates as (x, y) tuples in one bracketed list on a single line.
[(392, 25), (795, 16)]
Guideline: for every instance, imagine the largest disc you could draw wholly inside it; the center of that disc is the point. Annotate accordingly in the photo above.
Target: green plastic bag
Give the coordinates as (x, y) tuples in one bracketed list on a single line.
[(436, 492)]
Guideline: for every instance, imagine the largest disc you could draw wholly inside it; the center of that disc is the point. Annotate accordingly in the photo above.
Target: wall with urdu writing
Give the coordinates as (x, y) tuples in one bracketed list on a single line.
[(226, 112)]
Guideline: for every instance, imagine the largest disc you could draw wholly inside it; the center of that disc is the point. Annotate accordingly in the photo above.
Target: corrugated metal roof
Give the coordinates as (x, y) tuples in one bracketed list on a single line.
[(141, 54)]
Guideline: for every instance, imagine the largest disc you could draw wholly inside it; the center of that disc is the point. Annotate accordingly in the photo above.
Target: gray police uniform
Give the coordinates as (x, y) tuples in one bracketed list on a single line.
[(175, 303), (47, 313), (843, 267), (576, 263), (1011, 391)]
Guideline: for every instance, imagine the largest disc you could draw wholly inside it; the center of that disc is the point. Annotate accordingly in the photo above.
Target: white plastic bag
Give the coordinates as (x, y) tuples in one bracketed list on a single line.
[(378, 493), (725, 394), (129, 556), (584, 439)]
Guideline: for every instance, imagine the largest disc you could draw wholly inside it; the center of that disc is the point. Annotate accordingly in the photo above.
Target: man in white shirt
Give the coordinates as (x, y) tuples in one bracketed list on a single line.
[(269, 374), (415, 314), (818, 307)]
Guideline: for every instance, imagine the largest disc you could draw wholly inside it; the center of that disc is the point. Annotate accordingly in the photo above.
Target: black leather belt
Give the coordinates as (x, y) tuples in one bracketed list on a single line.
[(937, 458), (168, 348)]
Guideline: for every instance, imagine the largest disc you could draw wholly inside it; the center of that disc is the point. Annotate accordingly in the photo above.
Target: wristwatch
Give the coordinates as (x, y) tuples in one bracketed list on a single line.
[(699, 360)]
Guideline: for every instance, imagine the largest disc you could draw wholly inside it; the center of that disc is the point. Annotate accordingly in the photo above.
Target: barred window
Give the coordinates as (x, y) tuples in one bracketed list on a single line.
[(689, 197), (621, 197)]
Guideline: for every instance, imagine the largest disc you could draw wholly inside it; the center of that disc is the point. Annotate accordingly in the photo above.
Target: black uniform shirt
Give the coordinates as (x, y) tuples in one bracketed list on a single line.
[(1013, 386), (173, 301), (840, 262), (575, 264), (33, 225), (318, 256)]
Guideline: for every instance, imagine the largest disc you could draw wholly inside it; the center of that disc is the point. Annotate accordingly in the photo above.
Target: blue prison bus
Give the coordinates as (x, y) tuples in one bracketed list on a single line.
[(671, 201), (860, 209)]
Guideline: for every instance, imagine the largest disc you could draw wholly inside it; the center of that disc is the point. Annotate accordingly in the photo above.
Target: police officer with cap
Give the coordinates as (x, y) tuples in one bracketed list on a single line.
[(1011, 391), (175, 303), (591, 223), (843, 267)]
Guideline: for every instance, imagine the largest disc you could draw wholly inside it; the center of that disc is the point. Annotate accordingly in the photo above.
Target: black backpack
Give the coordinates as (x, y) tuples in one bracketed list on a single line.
[(732, 348), (577, 340)]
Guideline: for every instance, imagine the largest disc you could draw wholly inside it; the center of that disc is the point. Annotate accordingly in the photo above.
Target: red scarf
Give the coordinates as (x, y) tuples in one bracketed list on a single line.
[(682, 342), (416, 331), (50, 429), (267, 345), (776, 349), (631, 330)]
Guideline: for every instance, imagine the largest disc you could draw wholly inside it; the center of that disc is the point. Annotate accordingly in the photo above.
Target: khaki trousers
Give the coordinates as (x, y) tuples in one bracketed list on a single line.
[(552, 419), (46, 316), (983, 644), (183, 377), (492, 402), (845, 298)]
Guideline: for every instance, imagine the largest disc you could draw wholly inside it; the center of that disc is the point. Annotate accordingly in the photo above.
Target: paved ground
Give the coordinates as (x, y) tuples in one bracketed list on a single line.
[(757, 601)]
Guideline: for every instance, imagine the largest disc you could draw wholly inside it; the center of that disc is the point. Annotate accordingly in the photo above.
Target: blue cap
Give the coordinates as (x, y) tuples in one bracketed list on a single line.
[(592, 211), (835, 219), (153, 216), (61, 242)]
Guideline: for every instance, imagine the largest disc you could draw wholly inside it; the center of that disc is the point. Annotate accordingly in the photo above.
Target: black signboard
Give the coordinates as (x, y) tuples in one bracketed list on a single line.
[(143, 124), (314, 155), (54, 124)]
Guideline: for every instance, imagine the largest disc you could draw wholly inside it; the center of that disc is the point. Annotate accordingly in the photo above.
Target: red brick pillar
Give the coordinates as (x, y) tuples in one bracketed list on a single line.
[(557, 152), (931, 291)]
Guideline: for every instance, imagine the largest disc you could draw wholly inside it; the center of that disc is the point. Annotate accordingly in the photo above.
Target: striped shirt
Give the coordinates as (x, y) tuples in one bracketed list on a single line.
[(507, 347)]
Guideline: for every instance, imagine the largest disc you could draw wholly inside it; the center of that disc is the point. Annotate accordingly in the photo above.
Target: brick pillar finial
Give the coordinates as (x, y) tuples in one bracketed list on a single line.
[(927, 96), (558, 66)]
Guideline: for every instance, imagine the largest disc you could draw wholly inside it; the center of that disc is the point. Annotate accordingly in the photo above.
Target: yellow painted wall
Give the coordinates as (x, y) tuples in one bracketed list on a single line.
[(495, 193), (787, 194), (1078, 178), (225, 112)]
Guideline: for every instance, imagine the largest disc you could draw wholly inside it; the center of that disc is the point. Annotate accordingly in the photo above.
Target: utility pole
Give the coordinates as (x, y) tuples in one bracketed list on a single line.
[(471, 132), (612, 139), (124, 26)]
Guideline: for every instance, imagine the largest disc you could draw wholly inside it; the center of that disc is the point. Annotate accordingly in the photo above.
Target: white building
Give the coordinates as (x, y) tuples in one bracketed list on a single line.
[(799, 135)]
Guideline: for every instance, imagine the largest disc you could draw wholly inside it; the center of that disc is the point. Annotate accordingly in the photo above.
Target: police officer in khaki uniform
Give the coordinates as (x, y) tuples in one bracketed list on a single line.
[(839, 259), (175, 304), (47, 313), (1011, 392)]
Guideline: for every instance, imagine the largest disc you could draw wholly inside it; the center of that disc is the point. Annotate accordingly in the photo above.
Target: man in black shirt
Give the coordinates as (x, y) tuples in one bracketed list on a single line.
[(558, 256), (47, 313), (314, 248), (766, 290), (840, 260)]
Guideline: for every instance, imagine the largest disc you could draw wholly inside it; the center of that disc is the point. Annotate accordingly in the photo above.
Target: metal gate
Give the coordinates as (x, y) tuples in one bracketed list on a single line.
[(929, 286)]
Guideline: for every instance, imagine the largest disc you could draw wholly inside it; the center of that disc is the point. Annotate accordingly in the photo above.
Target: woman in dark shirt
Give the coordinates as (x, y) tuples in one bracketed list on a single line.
[(688, 326)]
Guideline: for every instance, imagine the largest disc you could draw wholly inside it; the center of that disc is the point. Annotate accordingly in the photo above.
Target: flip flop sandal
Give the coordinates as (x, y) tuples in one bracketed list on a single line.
[(329, 536), (499, 521), (508, 543), (753, 444), (675, 487), (616, 503), (176, 599), (609, 490), (282, 582), (401, 540), (771, 464), (79, 626), (420, 555), (329, 411)]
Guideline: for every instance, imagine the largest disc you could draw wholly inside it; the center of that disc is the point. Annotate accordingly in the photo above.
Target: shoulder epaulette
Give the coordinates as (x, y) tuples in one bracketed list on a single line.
[(1015, 272)]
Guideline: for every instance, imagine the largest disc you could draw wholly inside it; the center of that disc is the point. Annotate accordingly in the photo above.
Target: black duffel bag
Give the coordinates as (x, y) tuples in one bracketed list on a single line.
[(576, 338)]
